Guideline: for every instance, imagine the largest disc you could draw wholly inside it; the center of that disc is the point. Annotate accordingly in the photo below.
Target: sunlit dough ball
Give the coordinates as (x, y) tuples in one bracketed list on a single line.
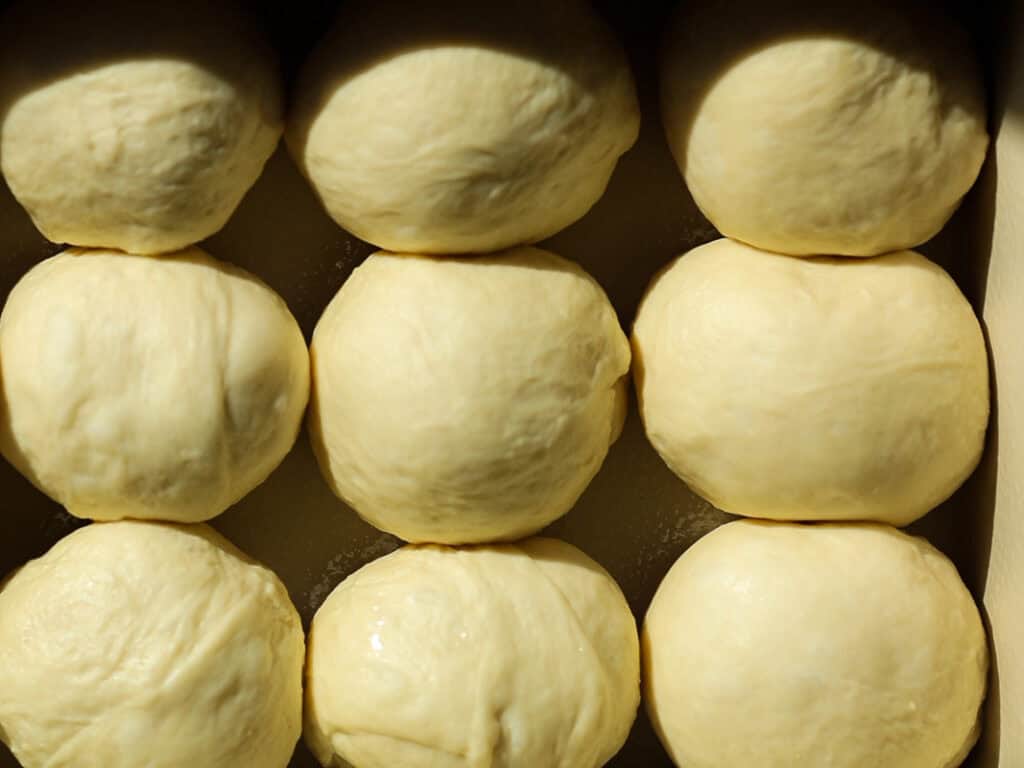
[(466, 400), (505, 656), (435, 128), (136, 126), (134, 643), (823, 128), (133, 386), (792, 646), (807, 389)]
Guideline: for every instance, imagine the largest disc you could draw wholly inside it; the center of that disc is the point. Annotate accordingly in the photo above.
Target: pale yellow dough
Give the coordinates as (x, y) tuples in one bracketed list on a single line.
[(133, 386), (436, 128), (136, 644), (807, 389), (466, 400), (848, 128), (136, 126), (780, 645), (514, 656)]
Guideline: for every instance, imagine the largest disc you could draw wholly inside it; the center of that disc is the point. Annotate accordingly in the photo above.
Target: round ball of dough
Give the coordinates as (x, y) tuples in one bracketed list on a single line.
[(136, 126), (435, 128), (783, 645), (848, 128), (466, 400), (132, 386), (511, 656), (135, 643), (812, 389)]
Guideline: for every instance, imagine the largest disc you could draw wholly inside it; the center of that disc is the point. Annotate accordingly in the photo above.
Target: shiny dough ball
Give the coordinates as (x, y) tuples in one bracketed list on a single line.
[(135, 643), (806, 389), (781, 645), (849, 128), (136, 126), (435, 128), (513, 656), (466, 400), (163, 388)]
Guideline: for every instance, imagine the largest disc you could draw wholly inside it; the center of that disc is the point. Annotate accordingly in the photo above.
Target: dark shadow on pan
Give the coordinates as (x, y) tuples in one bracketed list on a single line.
[(992, 23)]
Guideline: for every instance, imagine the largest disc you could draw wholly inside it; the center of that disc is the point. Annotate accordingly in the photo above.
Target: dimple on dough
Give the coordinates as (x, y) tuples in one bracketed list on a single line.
[(781, 645), (812, 389), (466, 400), (163, 388), (434, 128), (136, 126), (850, 128), (512, 656), (144, 644)]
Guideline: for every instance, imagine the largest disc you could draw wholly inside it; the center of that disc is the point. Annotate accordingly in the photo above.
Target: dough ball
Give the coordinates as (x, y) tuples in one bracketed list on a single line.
[(466, 400), (807, 389), (845, 127), (505, 656), (791, 646), (132, 644), (136, 126), (133, 386), (435, 128)]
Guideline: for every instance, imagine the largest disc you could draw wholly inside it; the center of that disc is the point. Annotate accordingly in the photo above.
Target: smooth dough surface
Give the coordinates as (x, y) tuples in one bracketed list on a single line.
[(145, 644), (513, 656), (807, 389), (434, 128), (849, 128), (466, 400), (781, 645), (134, 386), (136, 126)]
